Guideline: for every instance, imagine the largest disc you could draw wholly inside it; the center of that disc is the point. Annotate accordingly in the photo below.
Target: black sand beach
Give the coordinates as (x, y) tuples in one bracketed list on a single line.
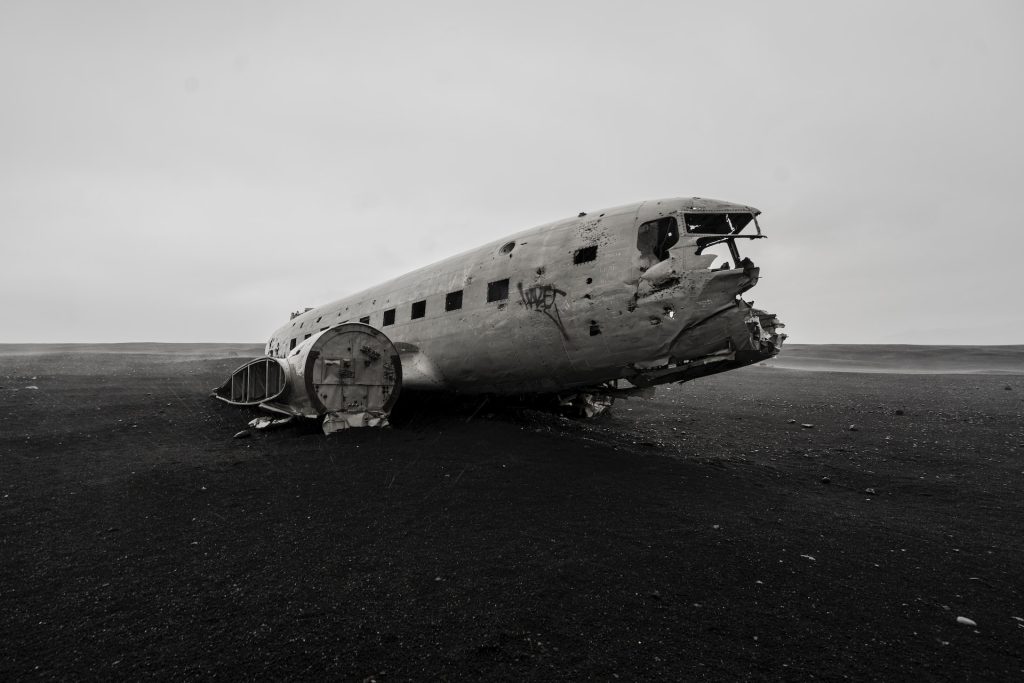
[(703, 534)]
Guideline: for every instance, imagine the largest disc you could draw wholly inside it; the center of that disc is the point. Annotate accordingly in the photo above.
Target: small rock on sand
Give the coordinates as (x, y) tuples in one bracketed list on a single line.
[(244, 434), (965, 621), (853, 428), (807, 426)]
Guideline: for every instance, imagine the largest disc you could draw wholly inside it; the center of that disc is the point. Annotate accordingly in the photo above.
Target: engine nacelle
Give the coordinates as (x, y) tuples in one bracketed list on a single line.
[(350, 374)]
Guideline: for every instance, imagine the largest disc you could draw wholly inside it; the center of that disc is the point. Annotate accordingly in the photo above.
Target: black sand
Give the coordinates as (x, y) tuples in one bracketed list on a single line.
[(689, 536)]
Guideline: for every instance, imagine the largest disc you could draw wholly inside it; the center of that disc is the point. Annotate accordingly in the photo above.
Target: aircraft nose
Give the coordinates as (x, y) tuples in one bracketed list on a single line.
[(740, 332)]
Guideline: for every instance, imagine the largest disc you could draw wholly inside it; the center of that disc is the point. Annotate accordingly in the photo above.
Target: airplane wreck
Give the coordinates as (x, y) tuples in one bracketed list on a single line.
[(603, 305)]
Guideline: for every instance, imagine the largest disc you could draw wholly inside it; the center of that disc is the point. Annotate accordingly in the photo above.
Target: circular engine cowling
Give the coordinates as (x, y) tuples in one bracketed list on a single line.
[(350, 375)]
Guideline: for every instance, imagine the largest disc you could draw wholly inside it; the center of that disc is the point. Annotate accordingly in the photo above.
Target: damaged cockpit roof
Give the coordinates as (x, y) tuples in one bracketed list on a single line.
[(716, 223), (712, 217), (698, 205)]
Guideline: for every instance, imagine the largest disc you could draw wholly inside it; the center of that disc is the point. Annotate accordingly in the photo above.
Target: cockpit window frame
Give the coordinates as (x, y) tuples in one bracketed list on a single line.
[(655, 237), (731, 219)]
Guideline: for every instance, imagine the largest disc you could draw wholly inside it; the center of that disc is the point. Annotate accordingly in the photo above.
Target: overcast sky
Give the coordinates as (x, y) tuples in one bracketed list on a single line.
[(182, 171)]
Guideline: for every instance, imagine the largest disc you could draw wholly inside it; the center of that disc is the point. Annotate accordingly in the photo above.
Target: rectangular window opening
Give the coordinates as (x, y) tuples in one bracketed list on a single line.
[(292, 344), (389, 317), (453, 301), (585, 254), (365, 320), (497, 291), (419, 309), (717, 223), (655, 238)]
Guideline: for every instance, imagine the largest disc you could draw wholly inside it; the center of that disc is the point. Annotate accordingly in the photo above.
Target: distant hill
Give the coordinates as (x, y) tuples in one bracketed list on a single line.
[(901, 358), (822, 357), (138, 348)]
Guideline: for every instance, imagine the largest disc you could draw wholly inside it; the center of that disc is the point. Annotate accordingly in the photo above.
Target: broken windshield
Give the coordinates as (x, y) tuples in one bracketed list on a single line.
[(715, 234), (717, 223)]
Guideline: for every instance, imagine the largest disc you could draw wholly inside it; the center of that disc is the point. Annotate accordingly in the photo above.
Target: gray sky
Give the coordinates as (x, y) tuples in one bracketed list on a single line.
[(183, 171)]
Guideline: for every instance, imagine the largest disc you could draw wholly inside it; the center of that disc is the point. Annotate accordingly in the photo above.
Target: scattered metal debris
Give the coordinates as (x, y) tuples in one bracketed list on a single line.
[(337, 421), (262, 423)]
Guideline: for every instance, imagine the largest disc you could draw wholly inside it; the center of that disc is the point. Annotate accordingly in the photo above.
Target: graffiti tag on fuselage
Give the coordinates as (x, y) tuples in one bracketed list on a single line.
[(543, 299)]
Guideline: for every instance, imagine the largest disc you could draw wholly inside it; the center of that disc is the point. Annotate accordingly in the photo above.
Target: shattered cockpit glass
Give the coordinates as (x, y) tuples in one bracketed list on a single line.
[(717, 223), (716, 233), (721, 230)]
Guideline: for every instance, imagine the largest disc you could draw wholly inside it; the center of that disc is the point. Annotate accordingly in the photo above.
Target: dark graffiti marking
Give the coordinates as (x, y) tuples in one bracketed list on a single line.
[(539, 297), (543, 299)]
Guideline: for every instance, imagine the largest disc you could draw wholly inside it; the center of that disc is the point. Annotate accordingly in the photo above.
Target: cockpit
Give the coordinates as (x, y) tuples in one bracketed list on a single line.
[(713, 232)]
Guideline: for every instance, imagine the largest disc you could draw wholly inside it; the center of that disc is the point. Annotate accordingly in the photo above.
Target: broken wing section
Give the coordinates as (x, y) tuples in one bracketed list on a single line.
[(258, 381), (418, 370)]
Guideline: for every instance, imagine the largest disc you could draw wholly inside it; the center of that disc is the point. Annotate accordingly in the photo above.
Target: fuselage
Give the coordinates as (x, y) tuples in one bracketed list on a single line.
[(629, 293)]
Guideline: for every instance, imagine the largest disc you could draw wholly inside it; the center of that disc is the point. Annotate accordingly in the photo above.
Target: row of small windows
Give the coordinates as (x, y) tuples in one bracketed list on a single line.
[(496, 291)]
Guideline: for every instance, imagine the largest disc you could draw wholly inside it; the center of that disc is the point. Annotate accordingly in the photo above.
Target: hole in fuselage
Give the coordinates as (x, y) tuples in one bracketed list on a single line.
[(585, 254)]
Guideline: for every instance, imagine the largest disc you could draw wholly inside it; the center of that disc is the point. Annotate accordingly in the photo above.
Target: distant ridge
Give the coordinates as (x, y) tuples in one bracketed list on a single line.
[(906, 358), (137, 348), (896, 358)]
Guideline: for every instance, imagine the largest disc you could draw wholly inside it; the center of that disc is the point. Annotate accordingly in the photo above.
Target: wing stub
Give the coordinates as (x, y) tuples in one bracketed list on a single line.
[(255, 382)]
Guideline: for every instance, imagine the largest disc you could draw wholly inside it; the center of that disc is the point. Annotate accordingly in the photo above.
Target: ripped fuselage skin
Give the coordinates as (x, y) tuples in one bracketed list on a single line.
[(644, 294)]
